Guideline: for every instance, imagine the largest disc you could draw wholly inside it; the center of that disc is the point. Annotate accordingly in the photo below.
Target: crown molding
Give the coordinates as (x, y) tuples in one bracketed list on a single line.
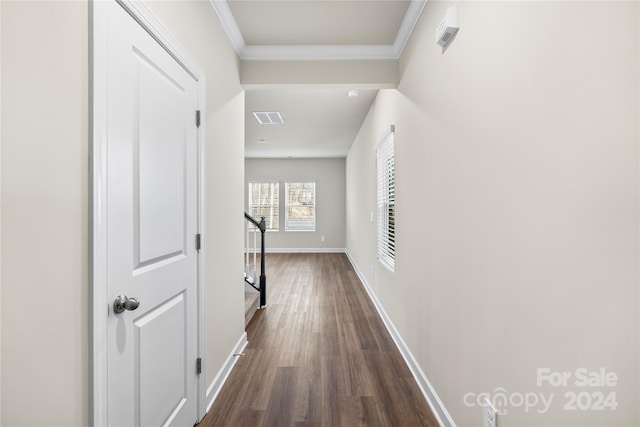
[(223, 12), (316, 52), (411, 18)]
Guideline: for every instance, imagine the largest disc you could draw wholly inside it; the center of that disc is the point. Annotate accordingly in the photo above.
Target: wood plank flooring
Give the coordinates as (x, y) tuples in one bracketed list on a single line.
[(318, 355)]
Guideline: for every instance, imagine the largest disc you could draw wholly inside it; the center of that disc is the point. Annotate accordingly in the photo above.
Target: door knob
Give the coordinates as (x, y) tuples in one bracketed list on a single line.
[(123, 303)]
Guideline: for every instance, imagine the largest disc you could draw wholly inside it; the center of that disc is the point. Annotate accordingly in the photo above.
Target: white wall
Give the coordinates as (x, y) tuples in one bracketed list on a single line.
[(0, 217), (517, 204), (44, 213), (44, 201), (329, 176)]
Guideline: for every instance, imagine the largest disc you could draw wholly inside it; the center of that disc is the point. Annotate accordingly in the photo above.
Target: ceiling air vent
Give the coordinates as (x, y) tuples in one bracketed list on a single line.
[(268, 117)]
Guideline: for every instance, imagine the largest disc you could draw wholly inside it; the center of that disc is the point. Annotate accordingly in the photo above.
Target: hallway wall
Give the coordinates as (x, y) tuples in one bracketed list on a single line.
[(44, 201), (517, 206), (329, 176)]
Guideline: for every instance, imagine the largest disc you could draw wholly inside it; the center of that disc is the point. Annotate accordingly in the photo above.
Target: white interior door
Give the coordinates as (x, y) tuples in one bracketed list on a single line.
[(152, 222)]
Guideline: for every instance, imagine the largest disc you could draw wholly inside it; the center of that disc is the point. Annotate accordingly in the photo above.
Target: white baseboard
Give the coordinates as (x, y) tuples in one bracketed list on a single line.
[(223, 374), (438, 408), (304, 250)]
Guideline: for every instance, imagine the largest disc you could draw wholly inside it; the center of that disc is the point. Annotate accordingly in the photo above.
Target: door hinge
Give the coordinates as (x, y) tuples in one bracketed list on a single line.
[(199, 365), (198, 242), (198, 118)]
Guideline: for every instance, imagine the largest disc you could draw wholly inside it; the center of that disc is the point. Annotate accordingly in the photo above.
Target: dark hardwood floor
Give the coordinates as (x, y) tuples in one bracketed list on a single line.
[(318, 355)]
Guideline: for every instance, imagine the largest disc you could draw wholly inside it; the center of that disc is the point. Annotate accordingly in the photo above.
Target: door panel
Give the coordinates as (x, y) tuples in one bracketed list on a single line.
[(159, 163), (160, 347), (152, 216)]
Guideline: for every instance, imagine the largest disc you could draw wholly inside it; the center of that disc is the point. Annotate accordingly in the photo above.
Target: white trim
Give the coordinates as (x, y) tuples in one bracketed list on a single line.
[(229, 24), (414, 12), (98, 413), (202, 352), (304, 250), (223, 374), (139, 11), (98, 28), (317, 52), (438, 408)]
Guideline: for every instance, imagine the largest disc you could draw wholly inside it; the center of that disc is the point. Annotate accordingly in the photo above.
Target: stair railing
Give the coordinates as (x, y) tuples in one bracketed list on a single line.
[(250, 269)]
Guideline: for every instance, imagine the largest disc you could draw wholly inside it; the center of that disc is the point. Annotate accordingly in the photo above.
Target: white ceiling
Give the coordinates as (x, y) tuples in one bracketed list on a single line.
[(353, 29), (319, 22), (319, 121)]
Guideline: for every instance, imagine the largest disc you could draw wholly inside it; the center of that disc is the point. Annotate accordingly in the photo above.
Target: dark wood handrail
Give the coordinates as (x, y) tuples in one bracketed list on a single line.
[(262, 226)]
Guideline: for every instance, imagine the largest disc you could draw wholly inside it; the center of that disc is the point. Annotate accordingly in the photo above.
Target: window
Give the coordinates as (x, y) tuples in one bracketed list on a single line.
[(300, 212), (264, 201), (386, 202)]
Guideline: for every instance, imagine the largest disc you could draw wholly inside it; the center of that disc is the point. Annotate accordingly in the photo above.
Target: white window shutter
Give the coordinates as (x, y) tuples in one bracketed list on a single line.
[(386, 201)]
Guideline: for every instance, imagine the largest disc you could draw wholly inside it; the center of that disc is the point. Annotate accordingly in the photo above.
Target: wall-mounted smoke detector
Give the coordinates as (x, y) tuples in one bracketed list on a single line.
[(448, 28), (353, 93), (268, 117)]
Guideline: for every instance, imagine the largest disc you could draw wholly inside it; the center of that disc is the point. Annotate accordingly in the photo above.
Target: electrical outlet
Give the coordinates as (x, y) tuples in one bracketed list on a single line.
[(322, 238), (489, 414)]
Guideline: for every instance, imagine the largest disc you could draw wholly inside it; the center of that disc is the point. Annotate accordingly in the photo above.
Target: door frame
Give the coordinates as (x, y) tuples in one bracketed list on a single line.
[(98, 290)]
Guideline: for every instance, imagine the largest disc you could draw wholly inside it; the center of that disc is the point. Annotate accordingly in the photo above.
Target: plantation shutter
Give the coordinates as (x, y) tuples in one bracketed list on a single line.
[(386, 201)]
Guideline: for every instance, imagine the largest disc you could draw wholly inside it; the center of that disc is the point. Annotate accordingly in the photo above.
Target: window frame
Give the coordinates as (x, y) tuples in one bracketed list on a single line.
[(287, 205), (275, 205)]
